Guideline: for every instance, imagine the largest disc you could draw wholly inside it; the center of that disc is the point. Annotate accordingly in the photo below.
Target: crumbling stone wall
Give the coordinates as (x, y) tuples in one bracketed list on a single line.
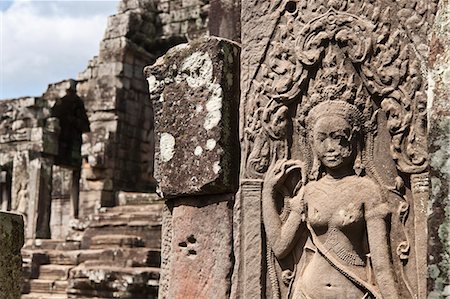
[(28, 144), (119, 149), (69, 109), (118, 142)]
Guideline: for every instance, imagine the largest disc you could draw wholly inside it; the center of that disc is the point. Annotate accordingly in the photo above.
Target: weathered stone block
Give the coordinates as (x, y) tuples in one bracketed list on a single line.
[(201, 248), (11, 240), (439, 147), (195, 93)]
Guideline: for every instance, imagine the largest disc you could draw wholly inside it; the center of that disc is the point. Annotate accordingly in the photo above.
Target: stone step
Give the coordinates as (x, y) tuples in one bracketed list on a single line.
[(147, 293), (130, 209), (44, 296), (32, 261), (107, 241), (126, 257), (53, 256), (130, 216), (48, 286), (112, 279), (135, 198), (151, 235), (63, 257), (82, 271), (51, 244), (127, 221), (136, 257), (54, 272)]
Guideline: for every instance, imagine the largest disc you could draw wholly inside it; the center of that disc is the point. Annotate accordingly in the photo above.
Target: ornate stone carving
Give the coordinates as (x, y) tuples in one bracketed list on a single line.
[(341, 215), (360, 64), (350, 52)]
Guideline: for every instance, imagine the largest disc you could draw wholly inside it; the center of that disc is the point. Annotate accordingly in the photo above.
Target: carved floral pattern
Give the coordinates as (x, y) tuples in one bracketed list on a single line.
[(349, 50)]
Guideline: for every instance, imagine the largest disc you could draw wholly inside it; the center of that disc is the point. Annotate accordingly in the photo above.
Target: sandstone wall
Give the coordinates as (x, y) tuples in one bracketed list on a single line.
[(439, 146)]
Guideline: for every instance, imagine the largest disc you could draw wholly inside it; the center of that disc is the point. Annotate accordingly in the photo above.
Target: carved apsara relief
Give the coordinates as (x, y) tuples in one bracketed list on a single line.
[(335, 127)]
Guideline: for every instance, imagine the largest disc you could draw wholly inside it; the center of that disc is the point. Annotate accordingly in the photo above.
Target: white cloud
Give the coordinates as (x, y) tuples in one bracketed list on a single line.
[(43, 42)]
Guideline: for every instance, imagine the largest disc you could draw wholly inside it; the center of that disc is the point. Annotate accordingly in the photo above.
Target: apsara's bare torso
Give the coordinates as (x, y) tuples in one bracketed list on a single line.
[(336, 214)]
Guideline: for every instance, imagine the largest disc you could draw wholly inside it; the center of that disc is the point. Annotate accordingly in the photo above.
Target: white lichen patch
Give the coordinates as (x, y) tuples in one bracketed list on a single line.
[(214, 107), (216, 167), (198, 151), (197, 70), (212, 119), (198, 108), (167, 147), (153, 84), (210, 144)]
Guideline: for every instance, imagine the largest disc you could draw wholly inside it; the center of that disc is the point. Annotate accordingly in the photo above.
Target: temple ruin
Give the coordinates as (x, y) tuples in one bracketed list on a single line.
[(240, 149)]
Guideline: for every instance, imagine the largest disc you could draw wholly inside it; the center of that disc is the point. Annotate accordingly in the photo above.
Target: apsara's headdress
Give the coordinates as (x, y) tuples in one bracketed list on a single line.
[(342, 109)]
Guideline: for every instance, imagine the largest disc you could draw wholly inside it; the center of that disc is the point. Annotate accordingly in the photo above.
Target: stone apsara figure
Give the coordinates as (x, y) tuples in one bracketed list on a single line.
[(338, 212)]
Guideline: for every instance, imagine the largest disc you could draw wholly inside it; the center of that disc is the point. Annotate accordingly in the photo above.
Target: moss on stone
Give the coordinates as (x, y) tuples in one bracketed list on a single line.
[(11, 240)]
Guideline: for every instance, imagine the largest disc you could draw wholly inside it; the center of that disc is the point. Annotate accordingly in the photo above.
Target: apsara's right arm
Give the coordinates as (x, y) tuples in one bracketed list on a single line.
[(281, 236)]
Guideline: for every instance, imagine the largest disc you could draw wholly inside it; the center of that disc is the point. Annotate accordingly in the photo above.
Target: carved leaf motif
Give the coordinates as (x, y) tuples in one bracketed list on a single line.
[(347, 30), (304, 52), (398, 117), (282, 74), (269, 134)]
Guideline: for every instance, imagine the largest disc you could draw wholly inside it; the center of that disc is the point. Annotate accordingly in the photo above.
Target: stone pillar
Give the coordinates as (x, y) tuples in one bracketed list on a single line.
[(439, 145), (195, 93), (20, 184), (225, 19), (11, 240), (75, 193), (5, 191), (40, 192)]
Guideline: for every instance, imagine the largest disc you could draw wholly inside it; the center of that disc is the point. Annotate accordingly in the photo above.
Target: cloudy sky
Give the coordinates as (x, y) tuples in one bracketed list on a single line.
[(42, 42)]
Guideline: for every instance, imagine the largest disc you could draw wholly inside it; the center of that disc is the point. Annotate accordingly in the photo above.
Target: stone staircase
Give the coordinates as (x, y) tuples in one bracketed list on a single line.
[(118, 256), (47, 264)]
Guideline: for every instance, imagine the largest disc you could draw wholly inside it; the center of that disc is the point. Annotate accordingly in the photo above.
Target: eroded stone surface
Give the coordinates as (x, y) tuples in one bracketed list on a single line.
[(11, 240), (201, 258), (28, 144), (195, 101), (439, 144)]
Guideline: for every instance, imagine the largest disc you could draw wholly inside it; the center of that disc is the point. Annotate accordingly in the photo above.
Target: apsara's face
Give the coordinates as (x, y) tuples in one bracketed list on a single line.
[(332, 141)]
